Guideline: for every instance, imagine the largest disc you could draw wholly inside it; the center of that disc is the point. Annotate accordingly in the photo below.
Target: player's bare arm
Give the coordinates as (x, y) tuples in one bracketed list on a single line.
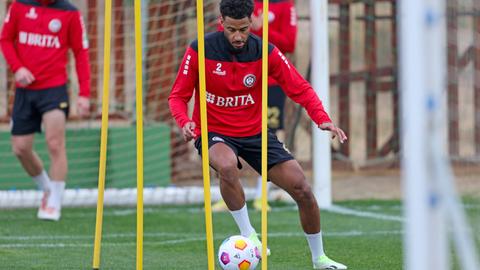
[(336, 131)]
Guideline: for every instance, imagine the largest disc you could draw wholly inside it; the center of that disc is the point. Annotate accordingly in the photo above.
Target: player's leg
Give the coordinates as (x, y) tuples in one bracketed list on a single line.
[(26, 120), (224, 161), (289, 176), (22, 147), (53, 105), (54, 125)]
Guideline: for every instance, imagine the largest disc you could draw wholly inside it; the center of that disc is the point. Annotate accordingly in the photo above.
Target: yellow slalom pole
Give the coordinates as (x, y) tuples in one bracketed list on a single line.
[(204, 128), (139, 108), (264, 131), (104, 134)]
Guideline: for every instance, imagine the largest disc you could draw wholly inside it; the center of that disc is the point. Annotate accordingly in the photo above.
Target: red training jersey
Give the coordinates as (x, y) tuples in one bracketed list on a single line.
[(233, 86), (282, 25), (37, 36)]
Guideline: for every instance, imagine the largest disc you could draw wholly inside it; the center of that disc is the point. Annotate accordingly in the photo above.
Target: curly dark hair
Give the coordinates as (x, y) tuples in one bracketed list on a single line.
[(236, 9)]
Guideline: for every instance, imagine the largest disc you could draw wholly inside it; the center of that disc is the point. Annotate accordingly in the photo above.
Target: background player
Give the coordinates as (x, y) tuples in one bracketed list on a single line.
[(35, 39), (233, 60)]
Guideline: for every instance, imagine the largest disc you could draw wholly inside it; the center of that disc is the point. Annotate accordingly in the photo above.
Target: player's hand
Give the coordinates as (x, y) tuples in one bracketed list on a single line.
[(188, 131), (257, 22), (83, 106), (24, 77), (336, 131)]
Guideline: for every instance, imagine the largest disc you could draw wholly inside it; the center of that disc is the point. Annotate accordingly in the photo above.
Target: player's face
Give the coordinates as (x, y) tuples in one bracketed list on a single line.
[(236, 30)]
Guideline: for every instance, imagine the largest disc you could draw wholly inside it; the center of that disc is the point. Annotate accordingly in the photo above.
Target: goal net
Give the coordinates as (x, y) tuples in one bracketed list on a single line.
[(168, 26), (364, 100)]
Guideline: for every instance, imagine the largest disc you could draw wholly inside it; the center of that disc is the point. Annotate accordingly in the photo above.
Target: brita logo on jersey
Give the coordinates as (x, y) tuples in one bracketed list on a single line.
[(39, 40), (235, 101)]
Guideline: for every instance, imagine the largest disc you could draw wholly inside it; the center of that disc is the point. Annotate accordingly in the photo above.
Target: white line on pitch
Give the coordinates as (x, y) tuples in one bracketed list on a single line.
[(127, 212), (115, 235), (351, 212), (186, 240), (132, 211)]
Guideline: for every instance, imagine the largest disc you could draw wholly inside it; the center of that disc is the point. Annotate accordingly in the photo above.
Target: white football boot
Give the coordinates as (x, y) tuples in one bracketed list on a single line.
[(326, 263), (50, 208), (254, 238)]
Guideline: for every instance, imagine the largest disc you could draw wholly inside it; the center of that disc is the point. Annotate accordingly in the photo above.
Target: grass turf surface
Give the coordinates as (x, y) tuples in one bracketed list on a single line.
[(175, 237)]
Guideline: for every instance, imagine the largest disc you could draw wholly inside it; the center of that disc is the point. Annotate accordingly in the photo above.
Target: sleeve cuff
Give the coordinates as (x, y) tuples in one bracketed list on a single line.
[(16, 68)]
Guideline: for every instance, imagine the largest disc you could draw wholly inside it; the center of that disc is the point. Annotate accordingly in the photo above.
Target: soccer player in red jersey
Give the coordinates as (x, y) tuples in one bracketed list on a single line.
[(35, 39), (233, 67), (282, 32)]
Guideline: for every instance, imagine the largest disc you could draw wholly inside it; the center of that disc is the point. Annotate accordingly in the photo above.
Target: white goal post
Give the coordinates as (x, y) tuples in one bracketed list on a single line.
[(432, 208), (321, 154)]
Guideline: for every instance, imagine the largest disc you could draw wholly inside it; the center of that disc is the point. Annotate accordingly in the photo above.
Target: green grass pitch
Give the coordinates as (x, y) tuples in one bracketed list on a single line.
[(365, 235)]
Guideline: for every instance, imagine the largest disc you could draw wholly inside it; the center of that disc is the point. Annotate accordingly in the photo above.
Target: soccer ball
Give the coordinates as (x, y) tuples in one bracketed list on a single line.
[(238, 253)]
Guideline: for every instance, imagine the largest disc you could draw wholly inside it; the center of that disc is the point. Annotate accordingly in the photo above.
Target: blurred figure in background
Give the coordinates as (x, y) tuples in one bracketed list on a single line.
[(35, 39)]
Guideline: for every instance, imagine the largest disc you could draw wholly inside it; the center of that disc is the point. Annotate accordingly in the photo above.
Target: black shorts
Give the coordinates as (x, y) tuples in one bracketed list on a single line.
[(30, 105), (276, 107), (250, 149)]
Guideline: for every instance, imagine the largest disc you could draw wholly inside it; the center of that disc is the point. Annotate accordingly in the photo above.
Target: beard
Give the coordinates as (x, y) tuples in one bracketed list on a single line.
[(235, 49)]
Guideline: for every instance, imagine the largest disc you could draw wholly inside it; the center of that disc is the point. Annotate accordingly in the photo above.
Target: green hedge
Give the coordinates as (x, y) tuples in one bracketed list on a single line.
[(83, 150)]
